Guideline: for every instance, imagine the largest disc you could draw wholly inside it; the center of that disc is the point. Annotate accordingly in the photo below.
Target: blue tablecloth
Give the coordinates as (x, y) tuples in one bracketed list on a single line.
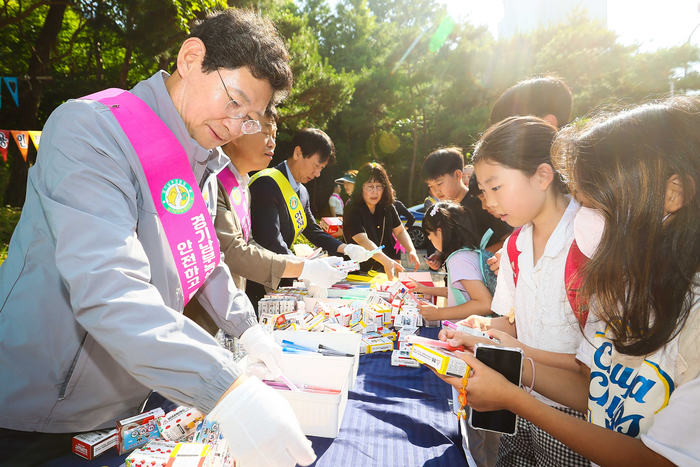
[(395, 416)]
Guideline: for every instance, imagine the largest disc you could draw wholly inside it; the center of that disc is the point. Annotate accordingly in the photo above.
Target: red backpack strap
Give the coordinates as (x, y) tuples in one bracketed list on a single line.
[(575, 261), (514, 254)]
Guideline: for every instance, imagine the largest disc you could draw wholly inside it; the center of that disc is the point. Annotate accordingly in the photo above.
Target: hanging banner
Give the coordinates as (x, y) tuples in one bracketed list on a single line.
[(11, 84), (36, 137), (4, 143), (22, 140)]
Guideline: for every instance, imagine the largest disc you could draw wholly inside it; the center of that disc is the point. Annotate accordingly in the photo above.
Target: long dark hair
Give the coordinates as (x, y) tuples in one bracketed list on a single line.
[(456, 225), (639, 278), (373, 172), (521, 143)]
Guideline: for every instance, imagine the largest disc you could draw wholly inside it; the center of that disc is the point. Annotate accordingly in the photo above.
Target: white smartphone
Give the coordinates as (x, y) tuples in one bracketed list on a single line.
[(508, 361)]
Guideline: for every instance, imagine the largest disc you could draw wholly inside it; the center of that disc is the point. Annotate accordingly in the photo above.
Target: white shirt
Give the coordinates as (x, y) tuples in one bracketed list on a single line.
[(242, 182), (335, 202), (665, 417), (544, 318)]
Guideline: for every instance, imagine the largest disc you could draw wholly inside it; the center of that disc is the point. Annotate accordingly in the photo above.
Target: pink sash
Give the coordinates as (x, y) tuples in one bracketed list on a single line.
[(173, 186), (238, 199)]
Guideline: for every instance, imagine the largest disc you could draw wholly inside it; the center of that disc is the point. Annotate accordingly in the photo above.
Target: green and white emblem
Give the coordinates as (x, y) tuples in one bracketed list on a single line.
[(177, 196)]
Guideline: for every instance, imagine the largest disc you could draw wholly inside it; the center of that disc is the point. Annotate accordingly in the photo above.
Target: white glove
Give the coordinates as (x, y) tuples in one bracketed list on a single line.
[(321, 273), (261, 427), (357, 253), (265, 354), (332, 260)]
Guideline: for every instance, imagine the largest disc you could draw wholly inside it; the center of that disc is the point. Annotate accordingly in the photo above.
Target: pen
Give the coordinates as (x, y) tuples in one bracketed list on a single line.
[(301, 388), (289, 384), (449, 324), (323, 348), (299, 347), (377, 250), (432, 343)]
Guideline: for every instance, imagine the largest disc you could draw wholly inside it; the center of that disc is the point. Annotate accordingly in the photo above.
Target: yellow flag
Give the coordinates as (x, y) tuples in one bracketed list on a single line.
[(36, 137)]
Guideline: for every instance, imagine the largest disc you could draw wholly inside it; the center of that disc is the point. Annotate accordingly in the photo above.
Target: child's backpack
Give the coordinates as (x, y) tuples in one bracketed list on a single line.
[(575, 260), (486, 272)]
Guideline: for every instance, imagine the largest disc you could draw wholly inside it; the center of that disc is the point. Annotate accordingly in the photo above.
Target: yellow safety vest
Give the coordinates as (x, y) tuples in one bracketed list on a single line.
[(294, 207)]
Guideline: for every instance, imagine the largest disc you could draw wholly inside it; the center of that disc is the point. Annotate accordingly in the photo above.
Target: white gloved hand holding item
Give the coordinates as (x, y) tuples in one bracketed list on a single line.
[(357, 253), (261, 427), (266, 357), (332, 260), (321, 273)]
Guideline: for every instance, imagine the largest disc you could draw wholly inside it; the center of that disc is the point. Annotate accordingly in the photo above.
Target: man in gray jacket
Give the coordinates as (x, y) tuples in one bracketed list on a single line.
[(90, 297)]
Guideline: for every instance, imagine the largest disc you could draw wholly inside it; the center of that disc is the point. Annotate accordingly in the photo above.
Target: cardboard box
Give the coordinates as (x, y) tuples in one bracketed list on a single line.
[(403, 358), (136, 431), (92, 444), (441, 360), (359, 320), (189, 455), (331, 225), (155, 453), (376, 344), (179, 424), (405, 331)]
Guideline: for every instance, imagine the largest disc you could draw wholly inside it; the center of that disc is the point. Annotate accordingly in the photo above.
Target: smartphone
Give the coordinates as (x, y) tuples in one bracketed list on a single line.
[(507, 361)]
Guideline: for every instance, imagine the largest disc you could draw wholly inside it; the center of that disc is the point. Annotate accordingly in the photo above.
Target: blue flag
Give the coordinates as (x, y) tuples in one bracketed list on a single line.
[(11, 84)]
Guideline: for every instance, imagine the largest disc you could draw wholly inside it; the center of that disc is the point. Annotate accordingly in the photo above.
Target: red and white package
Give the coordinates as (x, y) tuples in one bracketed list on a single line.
[(179, 424), (92, 444)]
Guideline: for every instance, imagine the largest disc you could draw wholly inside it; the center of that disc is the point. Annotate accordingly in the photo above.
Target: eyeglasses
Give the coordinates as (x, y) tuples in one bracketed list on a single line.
[(371, 188), (236, 111)]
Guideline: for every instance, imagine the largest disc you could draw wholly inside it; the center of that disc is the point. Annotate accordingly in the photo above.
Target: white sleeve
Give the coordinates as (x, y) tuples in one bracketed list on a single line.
[(675, 433), (504, 297)]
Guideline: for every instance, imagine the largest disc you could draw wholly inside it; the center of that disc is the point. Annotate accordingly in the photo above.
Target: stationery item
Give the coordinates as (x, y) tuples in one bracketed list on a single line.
[(450, 325), (403, 358), (441, 360), (301, 388), (92, 444), (432, 343), (136, 431), (289, 384)]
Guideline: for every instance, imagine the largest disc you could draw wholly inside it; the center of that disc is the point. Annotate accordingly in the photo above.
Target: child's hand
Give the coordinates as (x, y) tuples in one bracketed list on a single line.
[(495, 262), (434, 261), (455, 339), (506, 339), (481, 323), (416, 286), (429, 311), (487, 389)]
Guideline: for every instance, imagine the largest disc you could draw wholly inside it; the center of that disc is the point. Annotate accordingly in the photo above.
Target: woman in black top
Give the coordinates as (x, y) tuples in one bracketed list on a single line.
[(371, 220)]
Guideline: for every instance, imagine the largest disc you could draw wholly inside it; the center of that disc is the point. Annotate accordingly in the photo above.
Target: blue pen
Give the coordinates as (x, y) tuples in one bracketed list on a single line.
[(377, 250), (299, 347)]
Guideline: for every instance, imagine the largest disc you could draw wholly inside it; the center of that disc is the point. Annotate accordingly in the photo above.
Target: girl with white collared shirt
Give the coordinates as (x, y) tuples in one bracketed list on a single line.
[(514, 171), (639, 366)]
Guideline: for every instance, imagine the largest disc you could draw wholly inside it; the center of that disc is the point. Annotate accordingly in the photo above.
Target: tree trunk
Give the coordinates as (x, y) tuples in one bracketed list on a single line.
[(128, 47), (412, 173), (125, 66), (30, 98), (372, 149), (98, 60)]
